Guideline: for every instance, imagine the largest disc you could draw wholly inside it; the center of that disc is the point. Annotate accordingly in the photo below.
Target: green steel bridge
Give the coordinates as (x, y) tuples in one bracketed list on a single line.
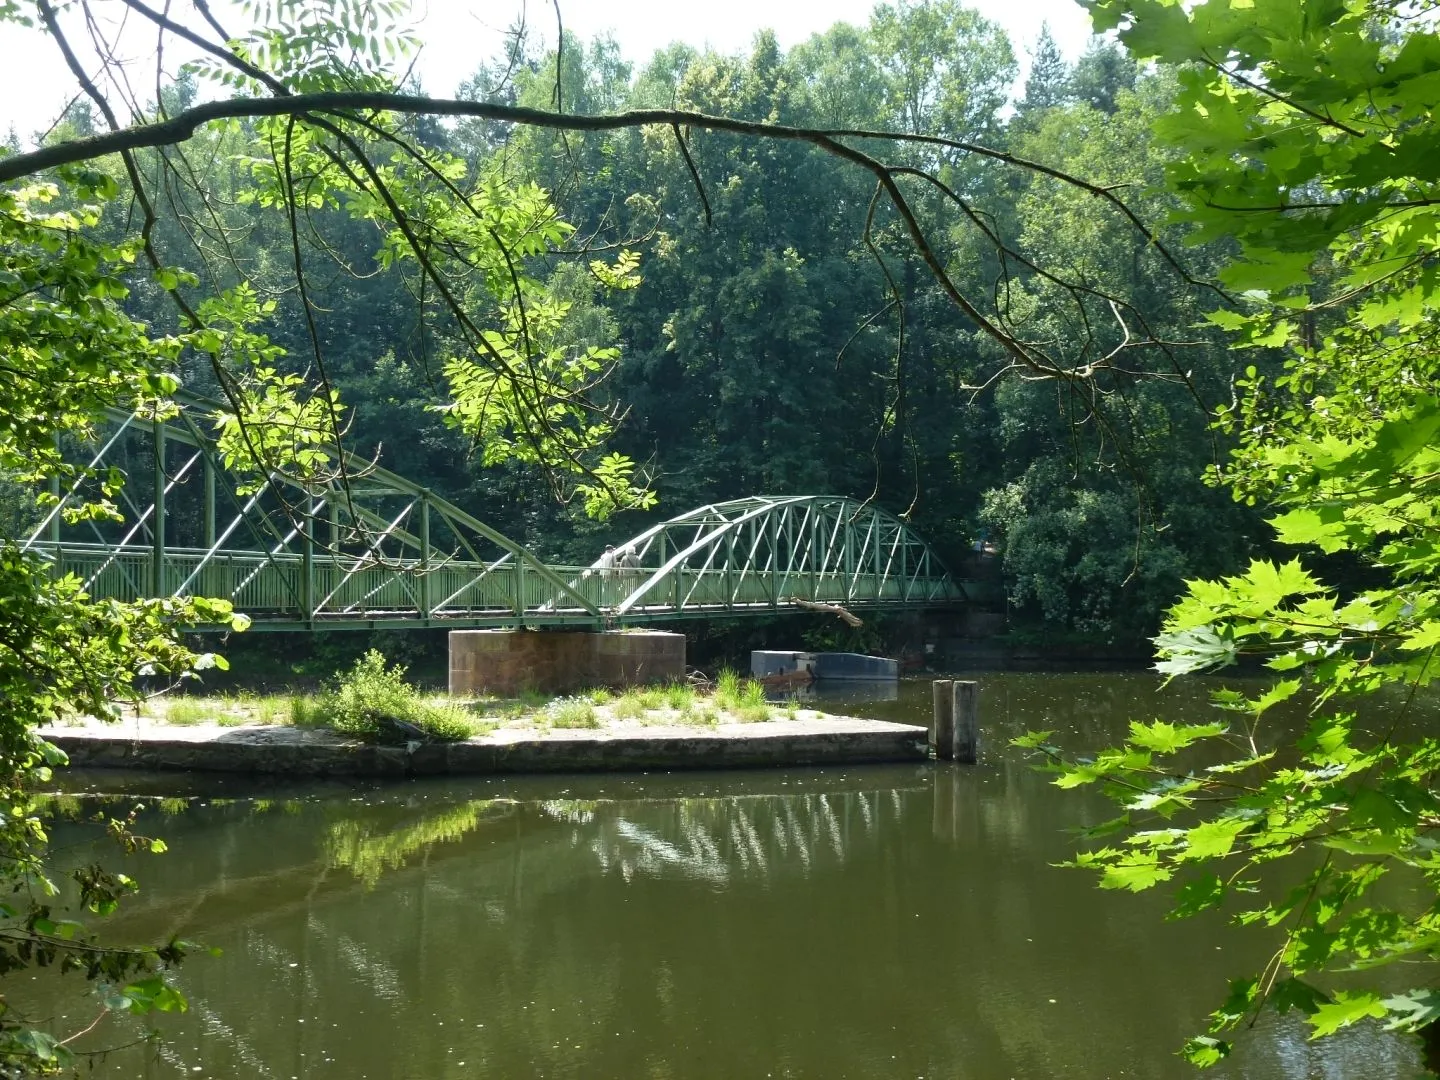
[(376, 550)]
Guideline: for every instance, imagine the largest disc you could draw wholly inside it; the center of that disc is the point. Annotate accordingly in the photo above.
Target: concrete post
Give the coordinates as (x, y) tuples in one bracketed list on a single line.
[(307, 558), (966, 716), (157, 525), (942, 727)]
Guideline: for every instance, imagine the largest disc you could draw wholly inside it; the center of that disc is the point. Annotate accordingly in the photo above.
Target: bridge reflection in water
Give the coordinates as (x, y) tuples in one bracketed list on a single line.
[(891, 922)]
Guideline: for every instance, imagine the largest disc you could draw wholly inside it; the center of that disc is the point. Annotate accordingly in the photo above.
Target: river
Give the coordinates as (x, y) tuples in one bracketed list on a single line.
[(880, 921)]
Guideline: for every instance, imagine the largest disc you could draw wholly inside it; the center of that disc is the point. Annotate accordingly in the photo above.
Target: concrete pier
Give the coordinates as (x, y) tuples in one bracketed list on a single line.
[(508, 662)]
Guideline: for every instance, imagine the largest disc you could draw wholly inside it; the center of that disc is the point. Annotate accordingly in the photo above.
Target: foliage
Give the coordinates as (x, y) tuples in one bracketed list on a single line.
[(1302, 128), (373, 701), (70, 349)]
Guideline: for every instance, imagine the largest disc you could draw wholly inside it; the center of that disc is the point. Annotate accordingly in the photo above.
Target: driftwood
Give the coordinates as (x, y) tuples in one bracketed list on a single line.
[(830, 609)]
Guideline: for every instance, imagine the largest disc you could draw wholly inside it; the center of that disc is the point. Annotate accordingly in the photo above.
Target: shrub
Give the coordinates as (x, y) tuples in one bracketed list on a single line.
[(367, 695), (373, 701), (446, 722)]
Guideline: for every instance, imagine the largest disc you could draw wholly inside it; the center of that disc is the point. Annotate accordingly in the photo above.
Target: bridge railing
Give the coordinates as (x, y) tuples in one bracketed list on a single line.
[(327, 587)]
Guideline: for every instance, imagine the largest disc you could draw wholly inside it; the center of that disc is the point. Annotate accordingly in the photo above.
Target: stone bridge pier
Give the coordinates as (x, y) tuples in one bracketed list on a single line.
[(507, 662)]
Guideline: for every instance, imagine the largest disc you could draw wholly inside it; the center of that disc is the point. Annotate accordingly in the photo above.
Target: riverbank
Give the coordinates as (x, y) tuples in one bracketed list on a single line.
[(800, 737)]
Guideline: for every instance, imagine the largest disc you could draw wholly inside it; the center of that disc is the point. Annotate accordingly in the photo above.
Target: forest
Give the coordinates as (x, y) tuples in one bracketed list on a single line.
[(758, 339)]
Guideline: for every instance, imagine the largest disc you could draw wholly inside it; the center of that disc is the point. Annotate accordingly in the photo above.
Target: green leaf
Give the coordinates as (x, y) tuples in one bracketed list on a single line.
[(1324, 527), (152, 994), (1135, 871), (1166, 738), (1213, 839), (1344, 1010), (1197, 649), (1205, 1050), (1267, 584), (1413, 1010)]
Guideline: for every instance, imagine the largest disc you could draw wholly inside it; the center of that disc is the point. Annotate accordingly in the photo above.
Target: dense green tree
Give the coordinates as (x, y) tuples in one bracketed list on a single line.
[(1302, 130), (1100, 502), (1048, 82), (945, 67), (1102, 71)]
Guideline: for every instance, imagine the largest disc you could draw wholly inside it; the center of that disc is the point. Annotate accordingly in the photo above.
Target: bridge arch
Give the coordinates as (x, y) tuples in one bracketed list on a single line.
[(767, 552)]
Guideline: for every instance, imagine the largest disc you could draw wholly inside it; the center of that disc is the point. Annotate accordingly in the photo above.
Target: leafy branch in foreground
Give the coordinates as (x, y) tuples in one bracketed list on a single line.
[(1300, 123), (69, 351)]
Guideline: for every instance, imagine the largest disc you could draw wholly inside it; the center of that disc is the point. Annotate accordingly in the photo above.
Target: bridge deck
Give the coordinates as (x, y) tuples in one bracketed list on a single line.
[(286, 591)]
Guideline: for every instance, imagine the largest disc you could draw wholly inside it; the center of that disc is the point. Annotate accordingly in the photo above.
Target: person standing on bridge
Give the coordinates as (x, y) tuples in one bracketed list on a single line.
[(606, 565), (629, 563)]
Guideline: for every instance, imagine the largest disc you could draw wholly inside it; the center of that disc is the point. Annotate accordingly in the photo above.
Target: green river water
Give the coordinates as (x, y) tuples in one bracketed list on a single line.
[(882, 921)]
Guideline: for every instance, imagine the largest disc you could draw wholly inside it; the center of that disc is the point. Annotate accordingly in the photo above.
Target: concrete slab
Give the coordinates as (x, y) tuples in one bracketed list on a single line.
[(812, 739)]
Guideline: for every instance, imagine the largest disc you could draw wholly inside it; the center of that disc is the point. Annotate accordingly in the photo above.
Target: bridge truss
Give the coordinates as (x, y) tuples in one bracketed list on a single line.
[(378, 550)]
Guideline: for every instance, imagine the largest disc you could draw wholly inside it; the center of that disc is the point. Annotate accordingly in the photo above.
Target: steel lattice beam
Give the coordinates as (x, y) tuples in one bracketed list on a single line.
[(383, 551)]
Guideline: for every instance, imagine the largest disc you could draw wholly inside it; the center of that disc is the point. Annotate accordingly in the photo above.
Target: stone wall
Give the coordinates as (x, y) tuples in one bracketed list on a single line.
[(307, 752), (506, 662)]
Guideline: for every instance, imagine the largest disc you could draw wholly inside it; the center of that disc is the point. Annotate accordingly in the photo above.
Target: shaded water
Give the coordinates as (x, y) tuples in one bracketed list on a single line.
[(870, 922)]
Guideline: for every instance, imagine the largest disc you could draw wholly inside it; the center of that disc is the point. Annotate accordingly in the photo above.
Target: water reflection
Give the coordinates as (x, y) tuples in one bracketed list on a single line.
[(886, 922), (823, 692)]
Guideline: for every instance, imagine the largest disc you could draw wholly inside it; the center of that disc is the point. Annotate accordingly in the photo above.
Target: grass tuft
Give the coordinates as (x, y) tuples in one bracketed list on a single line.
[(272, 710), (186, 712), (305, 711), (698, 714), (744, 697), (679, 696), (572, 712), (628, 706)]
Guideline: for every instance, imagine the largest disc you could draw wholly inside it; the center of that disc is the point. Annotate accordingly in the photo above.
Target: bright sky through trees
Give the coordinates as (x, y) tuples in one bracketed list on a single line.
[(460, 34)]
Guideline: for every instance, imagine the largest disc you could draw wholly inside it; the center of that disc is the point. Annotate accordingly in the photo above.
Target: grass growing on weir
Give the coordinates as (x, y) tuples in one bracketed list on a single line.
[(373, 701)]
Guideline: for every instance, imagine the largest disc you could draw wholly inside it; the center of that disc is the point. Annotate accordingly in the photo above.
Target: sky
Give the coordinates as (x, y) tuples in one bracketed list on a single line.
[(459, 34)]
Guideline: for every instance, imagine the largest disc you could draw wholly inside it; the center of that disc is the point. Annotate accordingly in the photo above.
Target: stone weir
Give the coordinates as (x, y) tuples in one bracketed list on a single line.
[(816, 739)]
